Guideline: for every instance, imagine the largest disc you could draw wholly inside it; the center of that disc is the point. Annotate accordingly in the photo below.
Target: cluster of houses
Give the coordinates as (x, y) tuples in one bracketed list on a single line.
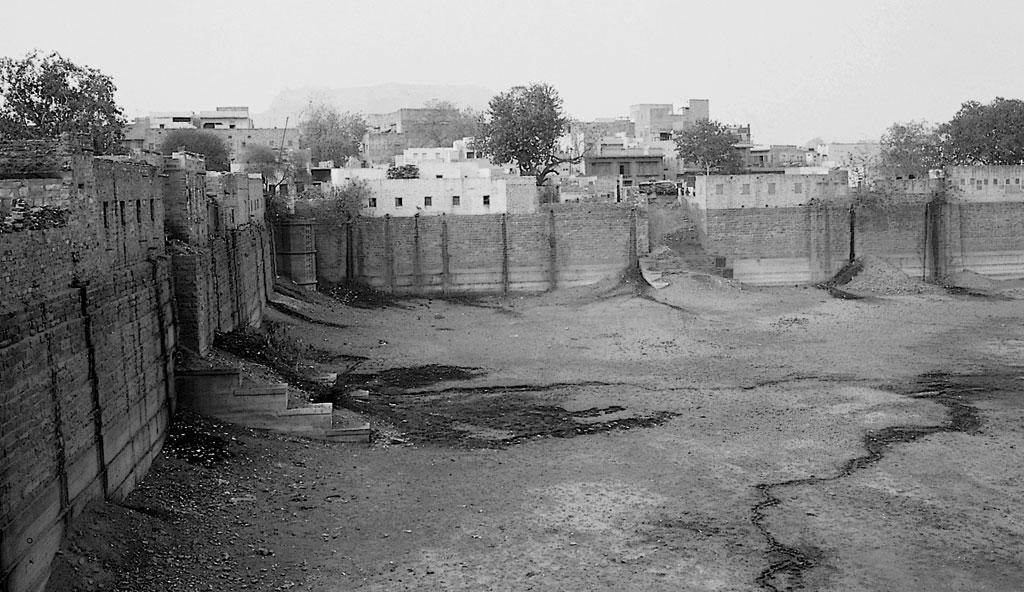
[(617, 159)]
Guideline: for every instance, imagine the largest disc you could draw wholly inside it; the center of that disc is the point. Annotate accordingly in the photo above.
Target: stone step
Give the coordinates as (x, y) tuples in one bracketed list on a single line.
[(316, 416), (353, 434)]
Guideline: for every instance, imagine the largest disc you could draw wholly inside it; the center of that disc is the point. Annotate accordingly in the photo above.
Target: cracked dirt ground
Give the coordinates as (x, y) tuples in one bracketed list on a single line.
[(769, 439)]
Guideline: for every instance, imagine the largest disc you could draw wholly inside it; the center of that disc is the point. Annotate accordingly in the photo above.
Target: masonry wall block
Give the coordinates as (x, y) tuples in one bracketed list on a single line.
[(90, 314), (563, 245)]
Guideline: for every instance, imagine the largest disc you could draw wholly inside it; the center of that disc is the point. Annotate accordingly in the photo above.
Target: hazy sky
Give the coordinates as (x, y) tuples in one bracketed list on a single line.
[(793, 70)]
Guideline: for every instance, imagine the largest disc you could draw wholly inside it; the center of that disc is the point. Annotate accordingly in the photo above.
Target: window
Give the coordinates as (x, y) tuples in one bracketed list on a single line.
[(455, 200), (622, 169), (138, 212), (745, 189), (372, 202), (1007, 182), (152, 212), (439, 176), (986, 181), (771, 189), (487, 200), (398, 202), (798, 187), (719, 189), (963, 181), (428, 201)]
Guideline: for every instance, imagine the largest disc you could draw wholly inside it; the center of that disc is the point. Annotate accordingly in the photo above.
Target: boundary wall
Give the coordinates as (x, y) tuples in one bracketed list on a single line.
[(220, 248), (86, 341), (928, 228), (563, 245), (91, 309)]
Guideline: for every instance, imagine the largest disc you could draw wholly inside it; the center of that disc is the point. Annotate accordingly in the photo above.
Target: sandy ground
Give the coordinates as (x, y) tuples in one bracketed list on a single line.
[(705, 437)]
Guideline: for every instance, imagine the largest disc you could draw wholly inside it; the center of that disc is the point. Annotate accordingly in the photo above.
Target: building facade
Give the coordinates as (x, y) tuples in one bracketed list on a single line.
[(461, 196), (658, 121)]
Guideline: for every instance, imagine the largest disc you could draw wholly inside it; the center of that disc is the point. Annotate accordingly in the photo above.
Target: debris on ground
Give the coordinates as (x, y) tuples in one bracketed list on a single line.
[(877, 276), (197, 440)]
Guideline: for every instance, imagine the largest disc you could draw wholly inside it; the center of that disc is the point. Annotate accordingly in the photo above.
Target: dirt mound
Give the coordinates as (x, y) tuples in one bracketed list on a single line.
[(878, 276)]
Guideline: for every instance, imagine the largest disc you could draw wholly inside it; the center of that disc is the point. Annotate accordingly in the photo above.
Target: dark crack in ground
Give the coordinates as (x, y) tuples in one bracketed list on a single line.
[(787, 563)]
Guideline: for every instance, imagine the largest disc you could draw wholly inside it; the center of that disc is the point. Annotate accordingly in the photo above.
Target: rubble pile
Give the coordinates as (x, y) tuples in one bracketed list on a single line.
[(878, 276), (25, 217)]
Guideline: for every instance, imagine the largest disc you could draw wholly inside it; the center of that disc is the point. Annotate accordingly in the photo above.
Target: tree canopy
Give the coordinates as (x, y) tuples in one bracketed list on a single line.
[(709, 145), (911, 148), (258, 158), (330, 135), (202, 142), (986, 134), (522, 126), (44, 96), (445, 123)]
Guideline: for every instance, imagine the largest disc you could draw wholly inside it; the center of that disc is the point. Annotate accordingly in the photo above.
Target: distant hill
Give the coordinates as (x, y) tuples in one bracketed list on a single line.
[(381, 98)]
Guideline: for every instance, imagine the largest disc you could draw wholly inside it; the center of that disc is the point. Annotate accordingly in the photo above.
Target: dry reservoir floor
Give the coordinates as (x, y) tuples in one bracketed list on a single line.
[(706, 438)]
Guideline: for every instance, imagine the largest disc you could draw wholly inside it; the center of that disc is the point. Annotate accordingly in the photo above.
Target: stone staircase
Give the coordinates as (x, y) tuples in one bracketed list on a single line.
[(221, 393), (680, 254)]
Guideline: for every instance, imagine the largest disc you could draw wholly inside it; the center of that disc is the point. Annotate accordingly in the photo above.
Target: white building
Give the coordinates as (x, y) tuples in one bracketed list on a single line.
[(460, 196), (455, 162)]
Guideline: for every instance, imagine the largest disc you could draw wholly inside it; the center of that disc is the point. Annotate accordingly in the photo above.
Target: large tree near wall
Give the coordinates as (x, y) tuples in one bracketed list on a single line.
[(986, 134), (522, 126), (331, 135), (709, 145), (210, 145), (911, 148), (44, 96)]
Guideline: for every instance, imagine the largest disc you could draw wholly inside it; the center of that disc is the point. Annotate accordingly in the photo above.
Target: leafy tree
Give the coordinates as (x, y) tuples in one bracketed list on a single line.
[(911, 148), (44, 96), (337, 204), (406, 171), (330, 135), (258, 158), (522, 126), (445, 123), (708, 144), (209, 144), (986, 134)]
